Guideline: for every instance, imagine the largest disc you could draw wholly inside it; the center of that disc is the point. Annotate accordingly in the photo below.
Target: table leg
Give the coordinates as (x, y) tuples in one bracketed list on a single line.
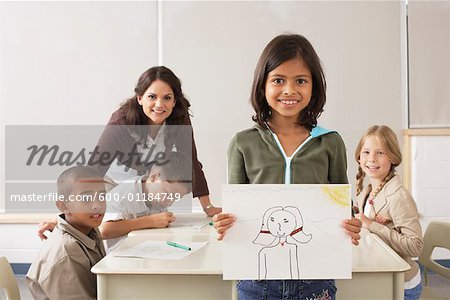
[(399, 285), (102, 287), (234, 295)]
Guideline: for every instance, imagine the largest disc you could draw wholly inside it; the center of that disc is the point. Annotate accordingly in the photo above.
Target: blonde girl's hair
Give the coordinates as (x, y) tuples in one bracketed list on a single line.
[(389, 141)]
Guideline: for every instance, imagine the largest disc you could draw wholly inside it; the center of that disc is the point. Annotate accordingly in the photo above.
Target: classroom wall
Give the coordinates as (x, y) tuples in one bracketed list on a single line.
[(67, 63), (19, 242), (79, 61), (429, 27), (70, 63), (74, 63), (430, 181), (214, 47)]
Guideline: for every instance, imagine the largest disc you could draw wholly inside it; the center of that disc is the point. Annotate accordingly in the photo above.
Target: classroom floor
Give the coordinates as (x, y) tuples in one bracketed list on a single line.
[(439, 285)]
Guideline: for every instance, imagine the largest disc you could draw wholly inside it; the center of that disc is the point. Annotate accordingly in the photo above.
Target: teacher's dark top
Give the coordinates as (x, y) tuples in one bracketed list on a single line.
[(118, 138)]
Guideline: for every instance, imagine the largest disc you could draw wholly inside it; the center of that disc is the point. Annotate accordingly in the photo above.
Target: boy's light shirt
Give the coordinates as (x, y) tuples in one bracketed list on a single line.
[(123, 209), (67, 256), (117, 171)]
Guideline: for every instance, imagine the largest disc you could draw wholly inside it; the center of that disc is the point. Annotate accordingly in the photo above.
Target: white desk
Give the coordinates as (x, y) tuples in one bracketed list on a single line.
[(377, 271), (198, 276)]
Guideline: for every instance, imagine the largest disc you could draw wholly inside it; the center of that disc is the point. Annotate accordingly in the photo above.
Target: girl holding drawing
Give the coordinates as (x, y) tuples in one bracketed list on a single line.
[(286, 146), (387, 208)]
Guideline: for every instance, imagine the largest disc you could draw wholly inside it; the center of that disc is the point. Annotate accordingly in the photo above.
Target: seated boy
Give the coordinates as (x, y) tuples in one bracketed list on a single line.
[(143, 200), (62, 267)]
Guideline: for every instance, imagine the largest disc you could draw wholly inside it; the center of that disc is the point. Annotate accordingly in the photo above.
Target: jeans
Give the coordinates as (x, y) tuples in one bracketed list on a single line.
[(414, 293), (286, 289)]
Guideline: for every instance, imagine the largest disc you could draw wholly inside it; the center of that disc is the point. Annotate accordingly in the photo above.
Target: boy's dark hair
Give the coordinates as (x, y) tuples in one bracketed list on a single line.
[(280, 49), (76, 174), (176, 168)]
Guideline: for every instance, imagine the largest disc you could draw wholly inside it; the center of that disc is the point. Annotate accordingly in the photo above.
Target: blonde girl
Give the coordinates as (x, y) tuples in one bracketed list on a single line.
[(387, 208)]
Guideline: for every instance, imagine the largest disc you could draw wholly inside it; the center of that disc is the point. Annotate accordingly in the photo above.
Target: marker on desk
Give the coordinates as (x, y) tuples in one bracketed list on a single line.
[(173, 244)]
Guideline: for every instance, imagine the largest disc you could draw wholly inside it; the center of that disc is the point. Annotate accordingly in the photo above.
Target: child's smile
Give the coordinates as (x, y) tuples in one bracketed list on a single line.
[(373, 160), (289, 88), (289, 103)]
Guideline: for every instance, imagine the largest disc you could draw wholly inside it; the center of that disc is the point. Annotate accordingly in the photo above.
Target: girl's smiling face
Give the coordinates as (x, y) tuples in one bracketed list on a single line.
[(373, 160), (289, 88), (281, 223)]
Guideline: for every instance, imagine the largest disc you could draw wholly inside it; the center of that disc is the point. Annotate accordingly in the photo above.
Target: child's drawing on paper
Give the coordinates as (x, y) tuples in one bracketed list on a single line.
[(281, 230), (299, 236)]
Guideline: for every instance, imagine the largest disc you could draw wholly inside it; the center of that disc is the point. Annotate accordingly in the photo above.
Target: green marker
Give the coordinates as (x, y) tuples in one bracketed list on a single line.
[(173, 244)]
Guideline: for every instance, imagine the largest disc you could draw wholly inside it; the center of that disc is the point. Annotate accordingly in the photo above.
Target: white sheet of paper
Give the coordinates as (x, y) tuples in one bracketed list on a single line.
[(193, 221), (301, 237), (160, 250)]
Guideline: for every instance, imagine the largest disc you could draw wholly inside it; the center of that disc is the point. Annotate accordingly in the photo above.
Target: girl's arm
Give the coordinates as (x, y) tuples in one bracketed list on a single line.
[(236, 164), (115, 229), (337, 173), (406, 236)]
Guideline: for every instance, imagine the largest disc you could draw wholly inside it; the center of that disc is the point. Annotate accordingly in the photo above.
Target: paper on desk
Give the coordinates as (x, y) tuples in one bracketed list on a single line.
[(160, 250), (188, 221)]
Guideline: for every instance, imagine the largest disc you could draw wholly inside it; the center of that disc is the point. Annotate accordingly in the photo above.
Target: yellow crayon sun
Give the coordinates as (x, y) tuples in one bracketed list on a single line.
[(337, 194)]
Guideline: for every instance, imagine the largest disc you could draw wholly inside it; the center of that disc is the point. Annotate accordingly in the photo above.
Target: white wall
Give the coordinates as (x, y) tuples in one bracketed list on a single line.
[(429, 37), (430, 180), (19, 242), (70, 63), (67, 63), (73, 63), (214, 47)]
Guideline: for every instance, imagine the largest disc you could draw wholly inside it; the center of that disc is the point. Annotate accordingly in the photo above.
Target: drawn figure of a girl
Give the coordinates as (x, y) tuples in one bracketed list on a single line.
[(281, 230)]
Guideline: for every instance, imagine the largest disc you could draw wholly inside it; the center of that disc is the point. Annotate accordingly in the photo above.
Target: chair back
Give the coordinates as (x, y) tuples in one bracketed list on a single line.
[(8, 281), (436, 235)]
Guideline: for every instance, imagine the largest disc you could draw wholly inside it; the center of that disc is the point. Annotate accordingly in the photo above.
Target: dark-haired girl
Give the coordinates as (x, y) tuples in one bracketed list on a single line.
[(287, 146)]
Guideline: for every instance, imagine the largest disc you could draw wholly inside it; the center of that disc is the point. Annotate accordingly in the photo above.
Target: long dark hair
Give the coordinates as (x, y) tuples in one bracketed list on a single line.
[(134, 114), (280, 49)]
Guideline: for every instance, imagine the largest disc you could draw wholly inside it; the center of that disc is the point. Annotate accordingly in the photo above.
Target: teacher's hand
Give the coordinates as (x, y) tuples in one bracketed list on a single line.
[(211, 210), (44, 226)]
